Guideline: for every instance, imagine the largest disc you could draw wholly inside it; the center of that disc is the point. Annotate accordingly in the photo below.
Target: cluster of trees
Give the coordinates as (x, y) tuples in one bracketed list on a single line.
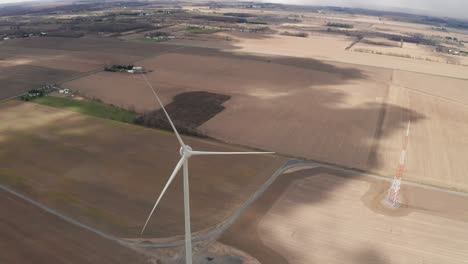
[(157, 34), (119, 68), (38, 92), (412, 38), (440, 29), (295, 34), (202, 30), (115, 26), (226, 19), (339, 25), (239, 14), (415, 38), (451, 38)]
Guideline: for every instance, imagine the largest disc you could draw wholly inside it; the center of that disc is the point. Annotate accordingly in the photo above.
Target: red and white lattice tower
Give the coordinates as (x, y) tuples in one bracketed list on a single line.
[(393, 196)]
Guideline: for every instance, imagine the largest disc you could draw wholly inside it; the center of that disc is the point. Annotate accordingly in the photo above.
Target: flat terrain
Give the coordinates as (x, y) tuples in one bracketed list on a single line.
[(346, 114), (31, 235), (437, 143), (318, 216), (337, 86), (410, 50), (332, 48), (296, 103), (108, 174), (30, 63)]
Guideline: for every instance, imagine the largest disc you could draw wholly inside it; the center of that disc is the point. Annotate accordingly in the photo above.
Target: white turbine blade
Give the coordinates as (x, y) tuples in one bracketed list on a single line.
[(181, 142), (174, 173), (228, 153)]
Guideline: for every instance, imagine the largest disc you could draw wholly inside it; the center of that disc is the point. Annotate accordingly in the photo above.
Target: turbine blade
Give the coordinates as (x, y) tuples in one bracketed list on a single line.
[(181, 142), (174, 173), (229, 153)]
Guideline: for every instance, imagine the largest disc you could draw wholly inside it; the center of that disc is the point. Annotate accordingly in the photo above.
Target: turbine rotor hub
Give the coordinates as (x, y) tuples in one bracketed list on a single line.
[(185, 151)]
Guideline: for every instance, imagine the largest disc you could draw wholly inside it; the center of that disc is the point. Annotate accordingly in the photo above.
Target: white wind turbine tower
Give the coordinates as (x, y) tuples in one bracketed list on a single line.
[(185, 152)]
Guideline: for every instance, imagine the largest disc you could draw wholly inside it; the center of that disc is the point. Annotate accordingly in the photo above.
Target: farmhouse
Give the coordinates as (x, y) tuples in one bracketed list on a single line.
[(136, 69)]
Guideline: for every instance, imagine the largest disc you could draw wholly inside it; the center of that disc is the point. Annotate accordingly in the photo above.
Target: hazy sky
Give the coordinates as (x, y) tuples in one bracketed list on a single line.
[(450, 8)]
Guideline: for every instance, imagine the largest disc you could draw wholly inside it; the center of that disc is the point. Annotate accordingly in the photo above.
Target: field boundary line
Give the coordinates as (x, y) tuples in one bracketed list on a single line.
[(357, 172), (60, 215), (13, 97), (431, 94)]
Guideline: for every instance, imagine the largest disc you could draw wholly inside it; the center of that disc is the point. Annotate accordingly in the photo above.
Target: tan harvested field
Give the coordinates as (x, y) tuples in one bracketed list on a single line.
[(319, 216), (414, 51), (408, 49), (30, 63), (108, 174), (325, 47), (31, 235), (328, 49), (447, 88), (290, 104), (437, 143)]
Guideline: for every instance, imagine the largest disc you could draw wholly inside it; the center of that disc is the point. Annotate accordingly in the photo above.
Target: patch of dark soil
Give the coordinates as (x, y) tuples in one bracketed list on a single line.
[(188, 111)]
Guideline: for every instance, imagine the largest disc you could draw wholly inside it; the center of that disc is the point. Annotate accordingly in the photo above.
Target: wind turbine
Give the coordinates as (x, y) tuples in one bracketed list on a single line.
[(185, 152)]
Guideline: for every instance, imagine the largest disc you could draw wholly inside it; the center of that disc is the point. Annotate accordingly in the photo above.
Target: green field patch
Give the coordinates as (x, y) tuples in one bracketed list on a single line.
[(88, 107)]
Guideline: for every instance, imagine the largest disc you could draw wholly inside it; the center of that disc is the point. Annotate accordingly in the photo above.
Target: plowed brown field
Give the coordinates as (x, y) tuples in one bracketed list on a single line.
[(32, 62), (31, 235), (108, 174)]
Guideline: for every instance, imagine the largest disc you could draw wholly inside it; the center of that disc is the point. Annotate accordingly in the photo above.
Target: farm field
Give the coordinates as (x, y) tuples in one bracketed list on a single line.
[(30, 63), (285, 97), (108, 174), (320, 216), (347, 98), (322, 48), (410, 50), (51, 240), (437, 143), (299, 93), (332, 48)]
